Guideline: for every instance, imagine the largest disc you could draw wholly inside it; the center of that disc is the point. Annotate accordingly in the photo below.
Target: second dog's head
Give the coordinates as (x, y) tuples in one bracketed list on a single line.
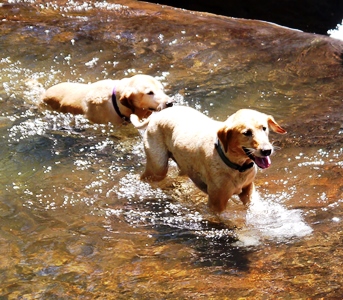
[(144, 94)]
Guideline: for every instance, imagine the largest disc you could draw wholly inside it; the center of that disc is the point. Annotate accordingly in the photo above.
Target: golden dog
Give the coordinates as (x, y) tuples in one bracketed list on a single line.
[(219, 157), (109, 100)]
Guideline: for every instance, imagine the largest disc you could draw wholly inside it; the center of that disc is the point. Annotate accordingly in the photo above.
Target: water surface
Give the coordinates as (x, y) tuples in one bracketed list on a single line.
[(76, 221)]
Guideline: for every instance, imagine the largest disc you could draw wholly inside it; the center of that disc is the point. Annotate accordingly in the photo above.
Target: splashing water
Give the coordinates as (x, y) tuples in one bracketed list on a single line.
[(264, 220), (270, 220)]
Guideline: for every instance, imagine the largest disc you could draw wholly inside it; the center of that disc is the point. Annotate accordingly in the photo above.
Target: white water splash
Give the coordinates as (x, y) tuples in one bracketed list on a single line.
[(269, 220)]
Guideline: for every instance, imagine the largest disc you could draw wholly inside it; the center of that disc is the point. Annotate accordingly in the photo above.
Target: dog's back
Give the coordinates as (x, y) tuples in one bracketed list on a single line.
[(181, 133), (187, 119), (66, 97)]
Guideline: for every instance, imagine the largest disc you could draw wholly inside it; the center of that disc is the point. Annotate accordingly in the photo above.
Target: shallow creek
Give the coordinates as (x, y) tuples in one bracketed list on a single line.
[(76, 221)]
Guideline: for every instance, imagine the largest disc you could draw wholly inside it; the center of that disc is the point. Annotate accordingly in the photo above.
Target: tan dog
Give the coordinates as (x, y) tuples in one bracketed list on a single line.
[(109, 100), (219, 157)]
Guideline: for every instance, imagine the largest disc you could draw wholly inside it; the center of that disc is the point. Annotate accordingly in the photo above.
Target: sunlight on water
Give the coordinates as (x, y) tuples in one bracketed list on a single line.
[(40, 126), (75, 6), (165, 212)]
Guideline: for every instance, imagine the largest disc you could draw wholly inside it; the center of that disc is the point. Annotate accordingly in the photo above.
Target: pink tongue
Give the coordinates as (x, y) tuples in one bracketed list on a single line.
[(263, 162)]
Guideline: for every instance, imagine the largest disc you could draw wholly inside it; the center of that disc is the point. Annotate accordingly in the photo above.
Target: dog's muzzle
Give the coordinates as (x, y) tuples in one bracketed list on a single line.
[(263, 162)]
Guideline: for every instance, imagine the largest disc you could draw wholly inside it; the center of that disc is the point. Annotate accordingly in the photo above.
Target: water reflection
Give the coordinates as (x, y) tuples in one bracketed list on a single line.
[(75, 218)]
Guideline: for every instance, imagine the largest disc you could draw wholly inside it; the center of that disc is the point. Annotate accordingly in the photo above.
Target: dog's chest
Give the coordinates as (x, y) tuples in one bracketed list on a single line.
[(241, 180)]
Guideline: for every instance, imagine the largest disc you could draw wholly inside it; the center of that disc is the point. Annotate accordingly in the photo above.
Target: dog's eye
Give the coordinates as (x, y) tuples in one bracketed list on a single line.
[(150, 93), (248, 132), (264, 128)]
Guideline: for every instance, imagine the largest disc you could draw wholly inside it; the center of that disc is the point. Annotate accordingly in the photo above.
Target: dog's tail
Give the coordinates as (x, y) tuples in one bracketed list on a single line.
[(137, 123)]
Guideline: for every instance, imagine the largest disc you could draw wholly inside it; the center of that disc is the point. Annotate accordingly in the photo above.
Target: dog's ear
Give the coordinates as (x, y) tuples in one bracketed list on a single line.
[(127, 100), (224, 135), (275, 126)]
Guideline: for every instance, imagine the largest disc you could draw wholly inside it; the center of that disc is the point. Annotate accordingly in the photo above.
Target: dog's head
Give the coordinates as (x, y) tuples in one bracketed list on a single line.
[(244, 136), (144, 94)]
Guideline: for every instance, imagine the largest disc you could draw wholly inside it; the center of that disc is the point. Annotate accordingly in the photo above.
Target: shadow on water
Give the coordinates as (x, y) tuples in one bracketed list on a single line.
[(210, 251), (213, 242)]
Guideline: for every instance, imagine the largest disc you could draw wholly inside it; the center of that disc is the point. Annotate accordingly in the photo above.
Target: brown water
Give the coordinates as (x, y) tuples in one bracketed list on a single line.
[(76, 222)]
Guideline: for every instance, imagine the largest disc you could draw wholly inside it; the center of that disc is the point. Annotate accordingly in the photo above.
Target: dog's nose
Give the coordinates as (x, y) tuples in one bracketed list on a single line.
[(169, 104), (266, 152)]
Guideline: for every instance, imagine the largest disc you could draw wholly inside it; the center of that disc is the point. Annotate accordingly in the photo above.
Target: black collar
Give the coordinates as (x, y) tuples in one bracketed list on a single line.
[(228, 162), (116, 108)]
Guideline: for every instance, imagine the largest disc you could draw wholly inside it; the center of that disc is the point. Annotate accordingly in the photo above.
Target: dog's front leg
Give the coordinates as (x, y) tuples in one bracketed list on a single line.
[(218, 198), (247, 193)]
